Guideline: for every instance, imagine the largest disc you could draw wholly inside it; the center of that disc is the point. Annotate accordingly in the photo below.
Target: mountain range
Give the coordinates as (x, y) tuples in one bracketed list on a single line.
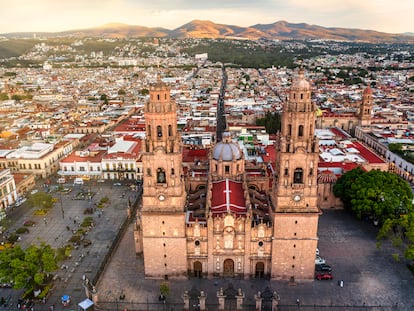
[(280, 30)]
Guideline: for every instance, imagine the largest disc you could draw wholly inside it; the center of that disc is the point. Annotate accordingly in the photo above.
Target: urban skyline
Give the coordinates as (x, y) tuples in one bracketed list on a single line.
[(386, 16)]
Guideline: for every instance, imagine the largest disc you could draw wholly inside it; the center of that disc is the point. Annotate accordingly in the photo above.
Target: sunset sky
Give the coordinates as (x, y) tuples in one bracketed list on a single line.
[(392, 16)]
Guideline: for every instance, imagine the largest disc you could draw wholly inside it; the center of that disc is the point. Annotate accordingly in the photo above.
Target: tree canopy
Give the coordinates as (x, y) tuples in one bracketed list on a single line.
[(271, 122), (386, 197), (41, 200), (29, 269), (375, 193)]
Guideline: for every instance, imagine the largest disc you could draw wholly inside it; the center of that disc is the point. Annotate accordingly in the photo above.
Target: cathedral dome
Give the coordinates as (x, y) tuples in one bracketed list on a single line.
[(226, 150)]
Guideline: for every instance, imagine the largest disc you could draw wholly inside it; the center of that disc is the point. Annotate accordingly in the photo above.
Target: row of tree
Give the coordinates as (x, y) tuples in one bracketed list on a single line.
[(384, 197)]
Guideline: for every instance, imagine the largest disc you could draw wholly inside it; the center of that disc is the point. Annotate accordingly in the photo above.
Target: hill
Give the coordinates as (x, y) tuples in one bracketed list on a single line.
[(280, 30)]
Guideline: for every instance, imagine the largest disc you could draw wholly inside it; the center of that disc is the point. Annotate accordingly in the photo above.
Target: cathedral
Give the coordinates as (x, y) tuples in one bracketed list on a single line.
[(228, 217)]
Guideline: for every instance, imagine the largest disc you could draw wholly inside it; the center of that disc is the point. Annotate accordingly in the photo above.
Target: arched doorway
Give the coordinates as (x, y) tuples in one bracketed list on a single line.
[(198, 269), (259, 270), (228, 268)]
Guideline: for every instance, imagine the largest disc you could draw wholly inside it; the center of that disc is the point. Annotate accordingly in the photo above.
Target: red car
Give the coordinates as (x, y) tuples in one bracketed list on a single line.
[(323, 276)]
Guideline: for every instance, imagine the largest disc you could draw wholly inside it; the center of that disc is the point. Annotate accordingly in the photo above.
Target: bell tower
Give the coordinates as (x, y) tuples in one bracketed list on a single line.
[(163, 199), (295, 187), (365, 109)]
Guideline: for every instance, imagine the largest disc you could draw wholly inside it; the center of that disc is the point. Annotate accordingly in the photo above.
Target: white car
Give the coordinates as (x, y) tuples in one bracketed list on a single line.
[(317, 252), (20, 201), (319, 260)]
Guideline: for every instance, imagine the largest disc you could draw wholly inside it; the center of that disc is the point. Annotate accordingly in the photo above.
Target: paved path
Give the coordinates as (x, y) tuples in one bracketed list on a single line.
[(371, 277)]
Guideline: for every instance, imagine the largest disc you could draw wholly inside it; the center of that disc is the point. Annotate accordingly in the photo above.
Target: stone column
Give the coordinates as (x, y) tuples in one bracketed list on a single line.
[(239, 299), (259, 300), (202, 300), (221, 297), (275, 301), (186, 300), (94, 294)]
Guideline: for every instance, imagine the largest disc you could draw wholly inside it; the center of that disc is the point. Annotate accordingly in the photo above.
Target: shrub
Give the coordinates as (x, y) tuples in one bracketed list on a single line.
[(104, 200), (87, 222), (75, 239), (22, 230), (13, 238), (40, 212)]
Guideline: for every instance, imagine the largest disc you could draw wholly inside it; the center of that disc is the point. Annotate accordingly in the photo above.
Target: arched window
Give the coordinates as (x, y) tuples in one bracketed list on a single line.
[(160, 176), (301, 95), (148, 172), (172, 171), (169, 130), (159, 131), (300, 132), (298, 176), (289, 129), (158, 96), (149, 130)]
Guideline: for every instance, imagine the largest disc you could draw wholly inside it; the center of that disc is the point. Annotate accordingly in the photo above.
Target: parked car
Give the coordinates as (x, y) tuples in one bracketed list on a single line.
[(319, 260), (78, 181), (323, 276), (61, 180), (20, 201), (323, 268), (317, 252)]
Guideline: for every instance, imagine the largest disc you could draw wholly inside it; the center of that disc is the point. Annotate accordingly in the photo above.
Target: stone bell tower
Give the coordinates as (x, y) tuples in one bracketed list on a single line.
[(365, 109), (295, 187), (162, 217)]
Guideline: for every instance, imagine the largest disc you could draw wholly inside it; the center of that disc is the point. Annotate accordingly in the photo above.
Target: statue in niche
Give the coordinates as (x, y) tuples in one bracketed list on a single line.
[(228, 238), (160, 176)]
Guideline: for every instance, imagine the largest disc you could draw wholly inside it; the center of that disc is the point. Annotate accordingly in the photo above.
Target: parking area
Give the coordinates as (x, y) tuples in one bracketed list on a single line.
[(103, 204)]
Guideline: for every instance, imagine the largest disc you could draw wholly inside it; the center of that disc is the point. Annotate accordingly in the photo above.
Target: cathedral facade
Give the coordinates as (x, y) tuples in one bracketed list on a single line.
[(226, 216)]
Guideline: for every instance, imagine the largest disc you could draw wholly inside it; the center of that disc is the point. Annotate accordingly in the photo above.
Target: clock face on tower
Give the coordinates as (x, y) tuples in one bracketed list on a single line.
[(297, 198), (161, 197)]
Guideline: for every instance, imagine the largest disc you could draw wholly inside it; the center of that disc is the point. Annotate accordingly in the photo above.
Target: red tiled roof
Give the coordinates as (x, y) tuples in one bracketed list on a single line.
[(228, 197), (270, 155), (192, 155), (367, 154), (338, 132), (345, 166), (73, 157)]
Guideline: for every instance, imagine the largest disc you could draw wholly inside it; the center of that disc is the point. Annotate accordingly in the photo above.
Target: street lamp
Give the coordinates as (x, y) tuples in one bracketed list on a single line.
[(61, 203)]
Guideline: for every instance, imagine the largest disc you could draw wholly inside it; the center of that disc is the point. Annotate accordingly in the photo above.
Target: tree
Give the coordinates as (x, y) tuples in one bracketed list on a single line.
[(395, 147), (342, 186), (30, 269), (4, 96), (401, 232), (164, 290), (375, 193), (271, 122), (41, 200)]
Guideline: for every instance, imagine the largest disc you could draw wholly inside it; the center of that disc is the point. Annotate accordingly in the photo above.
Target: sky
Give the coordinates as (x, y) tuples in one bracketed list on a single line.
[(391, 16)]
